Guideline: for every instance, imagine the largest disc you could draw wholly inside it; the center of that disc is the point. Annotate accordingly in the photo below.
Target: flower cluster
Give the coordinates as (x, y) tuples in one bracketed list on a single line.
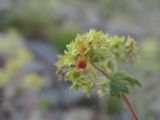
[(90, 51)]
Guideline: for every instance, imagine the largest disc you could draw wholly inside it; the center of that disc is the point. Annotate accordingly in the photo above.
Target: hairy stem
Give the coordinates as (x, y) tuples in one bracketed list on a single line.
[(125, 98)]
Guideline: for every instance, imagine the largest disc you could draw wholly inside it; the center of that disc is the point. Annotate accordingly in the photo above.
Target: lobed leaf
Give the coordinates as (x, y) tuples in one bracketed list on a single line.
[(120, 83), (131, 81)]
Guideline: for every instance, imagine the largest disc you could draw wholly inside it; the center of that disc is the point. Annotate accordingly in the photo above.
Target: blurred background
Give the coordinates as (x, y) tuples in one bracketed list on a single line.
[(33, 32)]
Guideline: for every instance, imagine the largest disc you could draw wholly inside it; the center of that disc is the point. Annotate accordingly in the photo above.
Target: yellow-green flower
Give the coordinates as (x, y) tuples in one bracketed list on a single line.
[(91, 49), (82, 46)]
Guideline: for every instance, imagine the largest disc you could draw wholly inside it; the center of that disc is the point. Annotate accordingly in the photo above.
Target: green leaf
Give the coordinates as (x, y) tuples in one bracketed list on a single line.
[(117, 86), (120, 82), (131, 81)]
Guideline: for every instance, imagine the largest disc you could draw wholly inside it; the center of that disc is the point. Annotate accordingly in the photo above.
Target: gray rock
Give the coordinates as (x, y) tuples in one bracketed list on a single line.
[(155, 108), (79, 114), (44, 51), (5, 5)]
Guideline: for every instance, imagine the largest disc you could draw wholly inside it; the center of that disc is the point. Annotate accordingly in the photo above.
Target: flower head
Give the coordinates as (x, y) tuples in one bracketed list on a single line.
[(81, 46), (82, 64), (90, 49)]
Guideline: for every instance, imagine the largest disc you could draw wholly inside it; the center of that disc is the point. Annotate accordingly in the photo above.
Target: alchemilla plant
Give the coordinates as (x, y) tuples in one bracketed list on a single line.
[(92, 60)]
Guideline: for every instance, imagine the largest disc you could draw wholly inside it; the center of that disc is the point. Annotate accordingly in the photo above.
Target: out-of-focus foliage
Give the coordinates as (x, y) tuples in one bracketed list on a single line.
[(45, 105), (43, 19), (113, 105), (15, 56), (63, 37), (151, 54), (40, 19), (31, 17), (33, 81), (149, 58)]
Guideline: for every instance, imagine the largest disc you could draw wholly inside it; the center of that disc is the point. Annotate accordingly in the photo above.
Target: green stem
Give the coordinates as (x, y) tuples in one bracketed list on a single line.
[(125, 98)]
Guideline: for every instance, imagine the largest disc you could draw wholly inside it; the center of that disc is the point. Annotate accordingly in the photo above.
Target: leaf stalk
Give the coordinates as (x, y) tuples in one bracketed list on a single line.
[(125, 98)]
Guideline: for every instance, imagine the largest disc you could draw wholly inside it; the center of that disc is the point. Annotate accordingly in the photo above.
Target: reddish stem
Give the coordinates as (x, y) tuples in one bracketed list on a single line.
[(102, 71), (125, 98)]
